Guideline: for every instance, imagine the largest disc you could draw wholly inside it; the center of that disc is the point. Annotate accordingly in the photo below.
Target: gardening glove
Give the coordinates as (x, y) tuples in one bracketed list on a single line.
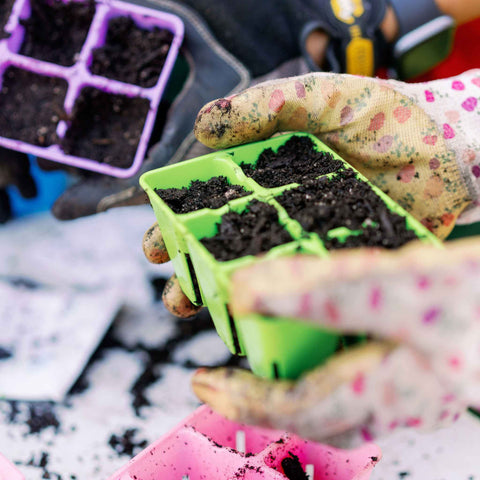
[(417, 142), (14, 171), (173, 297), (419, 306), (212, 72)]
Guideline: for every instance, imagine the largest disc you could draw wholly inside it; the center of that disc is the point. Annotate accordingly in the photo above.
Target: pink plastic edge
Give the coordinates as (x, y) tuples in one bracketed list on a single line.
[(364, 457), (8, 470)]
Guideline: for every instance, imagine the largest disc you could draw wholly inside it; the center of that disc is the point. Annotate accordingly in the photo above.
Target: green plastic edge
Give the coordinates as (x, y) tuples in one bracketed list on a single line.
[(309, 245)]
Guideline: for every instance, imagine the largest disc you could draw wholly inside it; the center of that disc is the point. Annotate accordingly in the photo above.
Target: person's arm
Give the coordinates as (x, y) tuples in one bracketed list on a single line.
[(462, 11)]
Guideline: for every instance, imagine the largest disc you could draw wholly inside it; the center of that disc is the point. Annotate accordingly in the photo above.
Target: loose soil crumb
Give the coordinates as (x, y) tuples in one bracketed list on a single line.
[(295, 161), (213, 193), (293, 468), (41, 416), (125, 444), (5, 11), (131, 54), (31, 106), (55, 31), (106, 127), (251, 232), (324, 204)]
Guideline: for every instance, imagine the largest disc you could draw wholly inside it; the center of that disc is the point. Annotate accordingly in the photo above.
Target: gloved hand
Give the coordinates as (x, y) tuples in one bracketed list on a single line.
[(14, 170), (212, 72), (173, 297), (421, 368), (417, 142)]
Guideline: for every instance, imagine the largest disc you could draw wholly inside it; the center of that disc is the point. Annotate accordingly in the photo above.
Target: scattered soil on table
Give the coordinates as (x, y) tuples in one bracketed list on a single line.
[(41, 416), (125, 444), (5, 11), (213, 193), (5, 353), (294, 162), (344, 201), (105, 127), (293, 468), (31, 106), (56, 31), (132, 54), (251, 232)]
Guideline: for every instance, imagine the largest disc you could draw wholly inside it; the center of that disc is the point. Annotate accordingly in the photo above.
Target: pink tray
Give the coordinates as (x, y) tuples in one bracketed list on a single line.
[(79, 76), (8, 471), (206, 447)]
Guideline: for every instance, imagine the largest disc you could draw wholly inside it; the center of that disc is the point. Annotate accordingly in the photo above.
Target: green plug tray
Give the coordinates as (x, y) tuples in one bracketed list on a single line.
[(275, 348)]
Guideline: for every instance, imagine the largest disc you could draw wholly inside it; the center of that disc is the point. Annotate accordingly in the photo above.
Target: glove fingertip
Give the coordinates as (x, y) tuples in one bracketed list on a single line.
[(176, 302), (154, 247)]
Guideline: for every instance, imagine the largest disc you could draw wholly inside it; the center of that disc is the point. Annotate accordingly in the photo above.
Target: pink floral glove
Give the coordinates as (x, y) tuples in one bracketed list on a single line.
[(419, 305), (421, 308), (417, 142)]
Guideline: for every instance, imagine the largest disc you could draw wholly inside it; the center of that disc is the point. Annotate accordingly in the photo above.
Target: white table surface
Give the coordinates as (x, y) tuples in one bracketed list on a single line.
[(146, 344)]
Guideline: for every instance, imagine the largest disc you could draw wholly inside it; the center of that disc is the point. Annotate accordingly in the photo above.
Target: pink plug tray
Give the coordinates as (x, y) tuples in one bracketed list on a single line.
[(206, 446), (78, 76), (8, 471)]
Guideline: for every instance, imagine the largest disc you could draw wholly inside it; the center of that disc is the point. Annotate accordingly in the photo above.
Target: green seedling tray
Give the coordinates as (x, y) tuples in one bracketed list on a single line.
[(178, 176), (215, 277), (282, 348), (279, 347)]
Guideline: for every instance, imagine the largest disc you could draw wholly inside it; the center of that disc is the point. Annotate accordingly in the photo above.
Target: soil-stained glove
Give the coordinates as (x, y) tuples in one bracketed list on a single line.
[(173, 297), (14, 171), (417, 142), (419, 305), (212, 72)]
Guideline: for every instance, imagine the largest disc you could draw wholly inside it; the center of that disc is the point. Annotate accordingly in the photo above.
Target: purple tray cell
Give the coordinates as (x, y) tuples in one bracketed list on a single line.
[(207, 446), (67, 37), (42, 96), (78, 77)]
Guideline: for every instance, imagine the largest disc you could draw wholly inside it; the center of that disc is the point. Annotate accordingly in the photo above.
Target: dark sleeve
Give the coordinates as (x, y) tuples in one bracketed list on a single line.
[(260, 33)]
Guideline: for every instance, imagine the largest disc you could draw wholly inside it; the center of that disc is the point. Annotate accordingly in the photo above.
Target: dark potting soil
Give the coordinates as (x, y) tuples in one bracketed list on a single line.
[(105, 127), (31, 106), (55, 31), (131, 54), (5, 11), (293, 468), (213, 193), (251, 232), (294, 162), (344, 201)]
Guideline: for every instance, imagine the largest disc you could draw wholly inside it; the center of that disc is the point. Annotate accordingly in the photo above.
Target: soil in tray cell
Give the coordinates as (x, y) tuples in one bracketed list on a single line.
[(255, 230), (31, 106), (293, 468), (131, 54), (5, 11), (294, 162), (344, 201), (105, 127), (55, 31), (213, 193)]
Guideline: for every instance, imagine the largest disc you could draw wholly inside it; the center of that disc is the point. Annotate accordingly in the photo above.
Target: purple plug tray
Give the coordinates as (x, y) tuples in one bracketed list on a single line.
[(208, 446), (78, 76)]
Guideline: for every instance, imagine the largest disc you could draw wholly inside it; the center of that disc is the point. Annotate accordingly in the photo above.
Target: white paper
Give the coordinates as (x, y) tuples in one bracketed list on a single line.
[(50, 334)]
